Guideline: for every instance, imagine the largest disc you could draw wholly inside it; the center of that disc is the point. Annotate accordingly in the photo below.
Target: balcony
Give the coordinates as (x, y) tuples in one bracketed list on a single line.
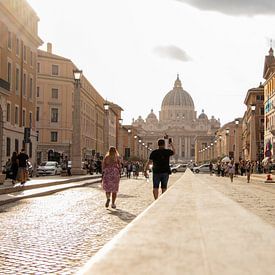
[(5, 85)]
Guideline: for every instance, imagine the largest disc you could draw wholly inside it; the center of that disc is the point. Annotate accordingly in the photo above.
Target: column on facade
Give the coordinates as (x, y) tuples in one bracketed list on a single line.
[(180, 147), (186, 147)]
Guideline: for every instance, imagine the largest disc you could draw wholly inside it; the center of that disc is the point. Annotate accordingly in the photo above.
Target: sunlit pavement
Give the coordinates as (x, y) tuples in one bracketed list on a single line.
[(57, 234)]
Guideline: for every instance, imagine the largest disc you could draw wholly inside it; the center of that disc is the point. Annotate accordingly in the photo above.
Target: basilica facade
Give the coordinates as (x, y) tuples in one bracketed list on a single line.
[(178, 119)]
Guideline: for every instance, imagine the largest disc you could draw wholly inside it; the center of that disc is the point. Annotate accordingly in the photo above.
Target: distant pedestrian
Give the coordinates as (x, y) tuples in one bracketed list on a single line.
[(231, 170), (14, 168), (66, 166), (211, 168), (22, 167), (111, 175), (248, 171), (161, 169), (129, 170)]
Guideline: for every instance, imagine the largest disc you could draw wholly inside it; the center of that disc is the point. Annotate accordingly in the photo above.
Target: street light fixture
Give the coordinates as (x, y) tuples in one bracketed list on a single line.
[(77, 74), (227, 131), (253, 107), (106, 105), (120, 121)]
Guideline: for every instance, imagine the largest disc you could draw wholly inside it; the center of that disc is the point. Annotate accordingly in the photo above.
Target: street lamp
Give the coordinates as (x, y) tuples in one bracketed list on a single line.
[(253, 143), (236, 147), (120, 121), (106, 106), (76, 136)]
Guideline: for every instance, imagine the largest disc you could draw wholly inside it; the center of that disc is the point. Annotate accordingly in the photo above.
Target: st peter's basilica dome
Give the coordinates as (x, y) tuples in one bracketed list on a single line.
[(178, 97)]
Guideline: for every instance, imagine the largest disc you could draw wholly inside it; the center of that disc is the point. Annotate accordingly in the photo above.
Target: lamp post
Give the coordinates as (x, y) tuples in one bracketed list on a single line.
[(227, 141), (220, 153), (252, 148), (106, 108), (237, 149), (76, 137), (129, 143)]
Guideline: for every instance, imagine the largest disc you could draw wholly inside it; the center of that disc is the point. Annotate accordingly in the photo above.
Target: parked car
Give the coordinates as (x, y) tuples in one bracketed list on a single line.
[(202, 169), (48, 168), (178, 168)]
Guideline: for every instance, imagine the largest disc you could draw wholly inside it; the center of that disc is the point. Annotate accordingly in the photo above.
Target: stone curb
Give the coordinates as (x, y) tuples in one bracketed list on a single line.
[(19, 188), (49, 192)]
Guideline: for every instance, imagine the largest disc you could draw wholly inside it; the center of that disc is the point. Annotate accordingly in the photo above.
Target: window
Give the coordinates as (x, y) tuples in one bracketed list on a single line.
[(54, 116), (16, 115), (31, 58), (53, 136), (8, 112), (8, 147), (9, 40), (38, 67), (17, 79), (37, 91), (54, 93), (16, 145), (55, 69), (31, 87), (24, 84), (9, 72), (25, 53), (17, 47), (24, 118), (30, 119), (37, 113)]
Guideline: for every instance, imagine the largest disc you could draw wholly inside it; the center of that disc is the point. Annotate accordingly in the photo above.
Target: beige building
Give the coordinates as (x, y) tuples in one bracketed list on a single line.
[(253, 125), (179, 120), (18, 55), (55, 90), (269, 103)]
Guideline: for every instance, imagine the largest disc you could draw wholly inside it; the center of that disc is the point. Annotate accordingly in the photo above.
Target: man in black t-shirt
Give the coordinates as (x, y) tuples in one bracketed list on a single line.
[(161, 169), (22, 166)]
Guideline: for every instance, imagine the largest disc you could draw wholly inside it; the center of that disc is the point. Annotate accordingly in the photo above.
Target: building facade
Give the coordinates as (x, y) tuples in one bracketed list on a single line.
[(179, 120), (269, 103), (253, 125), (54, 111), (19, 41)]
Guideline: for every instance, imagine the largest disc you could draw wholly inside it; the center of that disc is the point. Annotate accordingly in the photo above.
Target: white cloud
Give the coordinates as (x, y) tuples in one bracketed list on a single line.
[(172, 52), (235, 7)]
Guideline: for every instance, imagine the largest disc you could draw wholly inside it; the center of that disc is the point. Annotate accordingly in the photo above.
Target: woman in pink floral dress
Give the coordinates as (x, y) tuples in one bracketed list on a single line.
[(111, 175)]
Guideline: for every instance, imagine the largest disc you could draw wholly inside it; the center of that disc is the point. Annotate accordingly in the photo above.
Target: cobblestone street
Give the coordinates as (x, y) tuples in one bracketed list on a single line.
[(59, 233), (257, 197)]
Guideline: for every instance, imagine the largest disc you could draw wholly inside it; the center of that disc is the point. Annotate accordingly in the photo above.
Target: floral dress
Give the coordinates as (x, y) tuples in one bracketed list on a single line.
[(111, 176)]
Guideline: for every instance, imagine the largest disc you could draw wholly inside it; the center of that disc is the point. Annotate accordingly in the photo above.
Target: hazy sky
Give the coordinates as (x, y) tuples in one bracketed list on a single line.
[(132, 50)]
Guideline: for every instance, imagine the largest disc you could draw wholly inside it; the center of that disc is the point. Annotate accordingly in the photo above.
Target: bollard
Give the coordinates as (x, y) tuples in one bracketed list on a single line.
[(268, 177)]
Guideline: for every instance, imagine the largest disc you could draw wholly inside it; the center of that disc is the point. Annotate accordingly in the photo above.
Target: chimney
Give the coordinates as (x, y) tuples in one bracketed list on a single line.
[(49, 47)]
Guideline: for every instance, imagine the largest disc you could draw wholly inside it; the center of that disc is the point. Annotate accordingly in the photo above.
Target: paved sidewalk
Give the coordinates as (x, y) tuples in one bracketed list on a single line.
[(43, 186), (191, 229)]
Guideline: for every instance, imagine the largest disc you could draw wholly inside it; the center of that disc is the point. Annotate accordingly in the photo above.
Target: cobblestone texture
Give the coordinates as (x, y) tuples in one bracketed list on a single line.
[(257, 197), (57, 234)]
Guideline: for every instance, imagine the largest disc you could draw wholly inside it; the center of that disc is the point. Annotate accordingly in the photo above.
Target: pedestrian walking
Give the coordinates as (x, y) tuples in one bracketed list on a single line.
[(248, 169), (66, 166), (211, 168), (129, 170), (22, 166), (111, 175), (161, 170), (13, 168), (231, 170)]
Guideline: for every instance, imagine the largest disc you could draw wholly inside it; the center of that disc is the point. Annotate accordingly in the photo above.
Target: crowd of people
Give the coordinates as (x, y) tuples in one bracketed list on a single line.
[(242, 168)]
